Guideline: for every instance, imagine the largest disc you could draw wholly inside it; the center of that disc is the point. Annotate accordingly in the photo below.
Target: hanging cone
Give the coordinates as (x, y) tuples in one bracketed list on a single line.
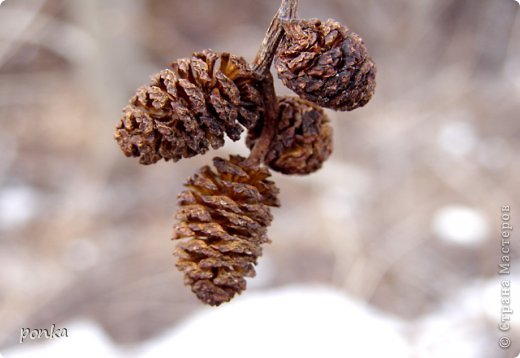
[(303, 138), (327, 64), (223, 219), (187, 109)]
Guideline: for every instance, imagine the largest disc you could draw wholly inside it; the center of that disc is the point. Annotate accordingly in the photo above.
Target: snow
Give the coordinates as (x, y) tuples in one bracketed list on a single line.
[(461, 225), (455, 329), (458, 137), (293, 322), (17, 206), (461, 326), (303, 321)]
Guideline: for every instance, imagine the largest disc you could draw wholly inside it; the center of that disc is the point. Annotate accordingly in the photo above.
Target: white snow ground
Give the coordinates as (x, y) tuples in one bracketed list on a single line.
[(300, 321)]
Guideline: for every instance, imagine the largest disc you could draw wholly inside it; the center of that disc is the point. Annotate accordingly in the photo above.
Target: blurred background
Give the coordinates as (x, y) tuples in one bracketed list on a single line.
[(391, 249)]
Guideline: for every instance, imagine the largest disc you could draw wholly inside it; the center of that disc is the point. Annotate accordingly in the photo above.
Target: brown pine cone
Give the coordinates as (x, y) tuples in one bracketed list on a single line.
[(327, 64), (187, 108), (303, 139), (224, 215)]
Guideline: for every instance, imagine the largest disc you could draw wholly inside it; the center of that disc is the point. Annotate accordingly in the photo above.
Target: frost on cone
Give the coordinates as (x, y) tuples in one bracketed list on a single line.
[(189, 107), (223, 217), (303, 138), (327, 64)]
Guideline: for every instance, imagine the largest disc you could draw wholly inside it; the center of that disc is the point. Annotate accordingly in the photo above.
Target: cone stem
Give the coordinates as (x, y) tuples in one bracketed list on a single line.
[(264, 58), (259, 151), (262, 67)]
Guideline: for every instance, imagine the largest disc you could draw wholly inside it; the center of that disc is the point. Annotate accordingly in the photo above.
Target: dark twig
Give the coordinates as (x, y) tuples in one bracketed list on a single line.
[(261, 147), (262, 67), (274, 35)]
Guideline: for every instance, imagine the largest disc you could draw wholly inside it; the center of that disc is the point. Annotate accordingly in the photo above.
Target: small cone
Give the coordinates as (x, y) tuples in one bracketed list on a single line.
[(303, 139), (327, 64)]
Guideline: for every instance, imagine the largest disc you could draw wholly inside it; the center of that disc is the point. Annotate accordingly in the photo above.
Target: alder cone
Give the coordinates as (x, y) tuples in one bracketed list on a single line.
[(303, 138), (223, 216), (327, 64), (187, 109)]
